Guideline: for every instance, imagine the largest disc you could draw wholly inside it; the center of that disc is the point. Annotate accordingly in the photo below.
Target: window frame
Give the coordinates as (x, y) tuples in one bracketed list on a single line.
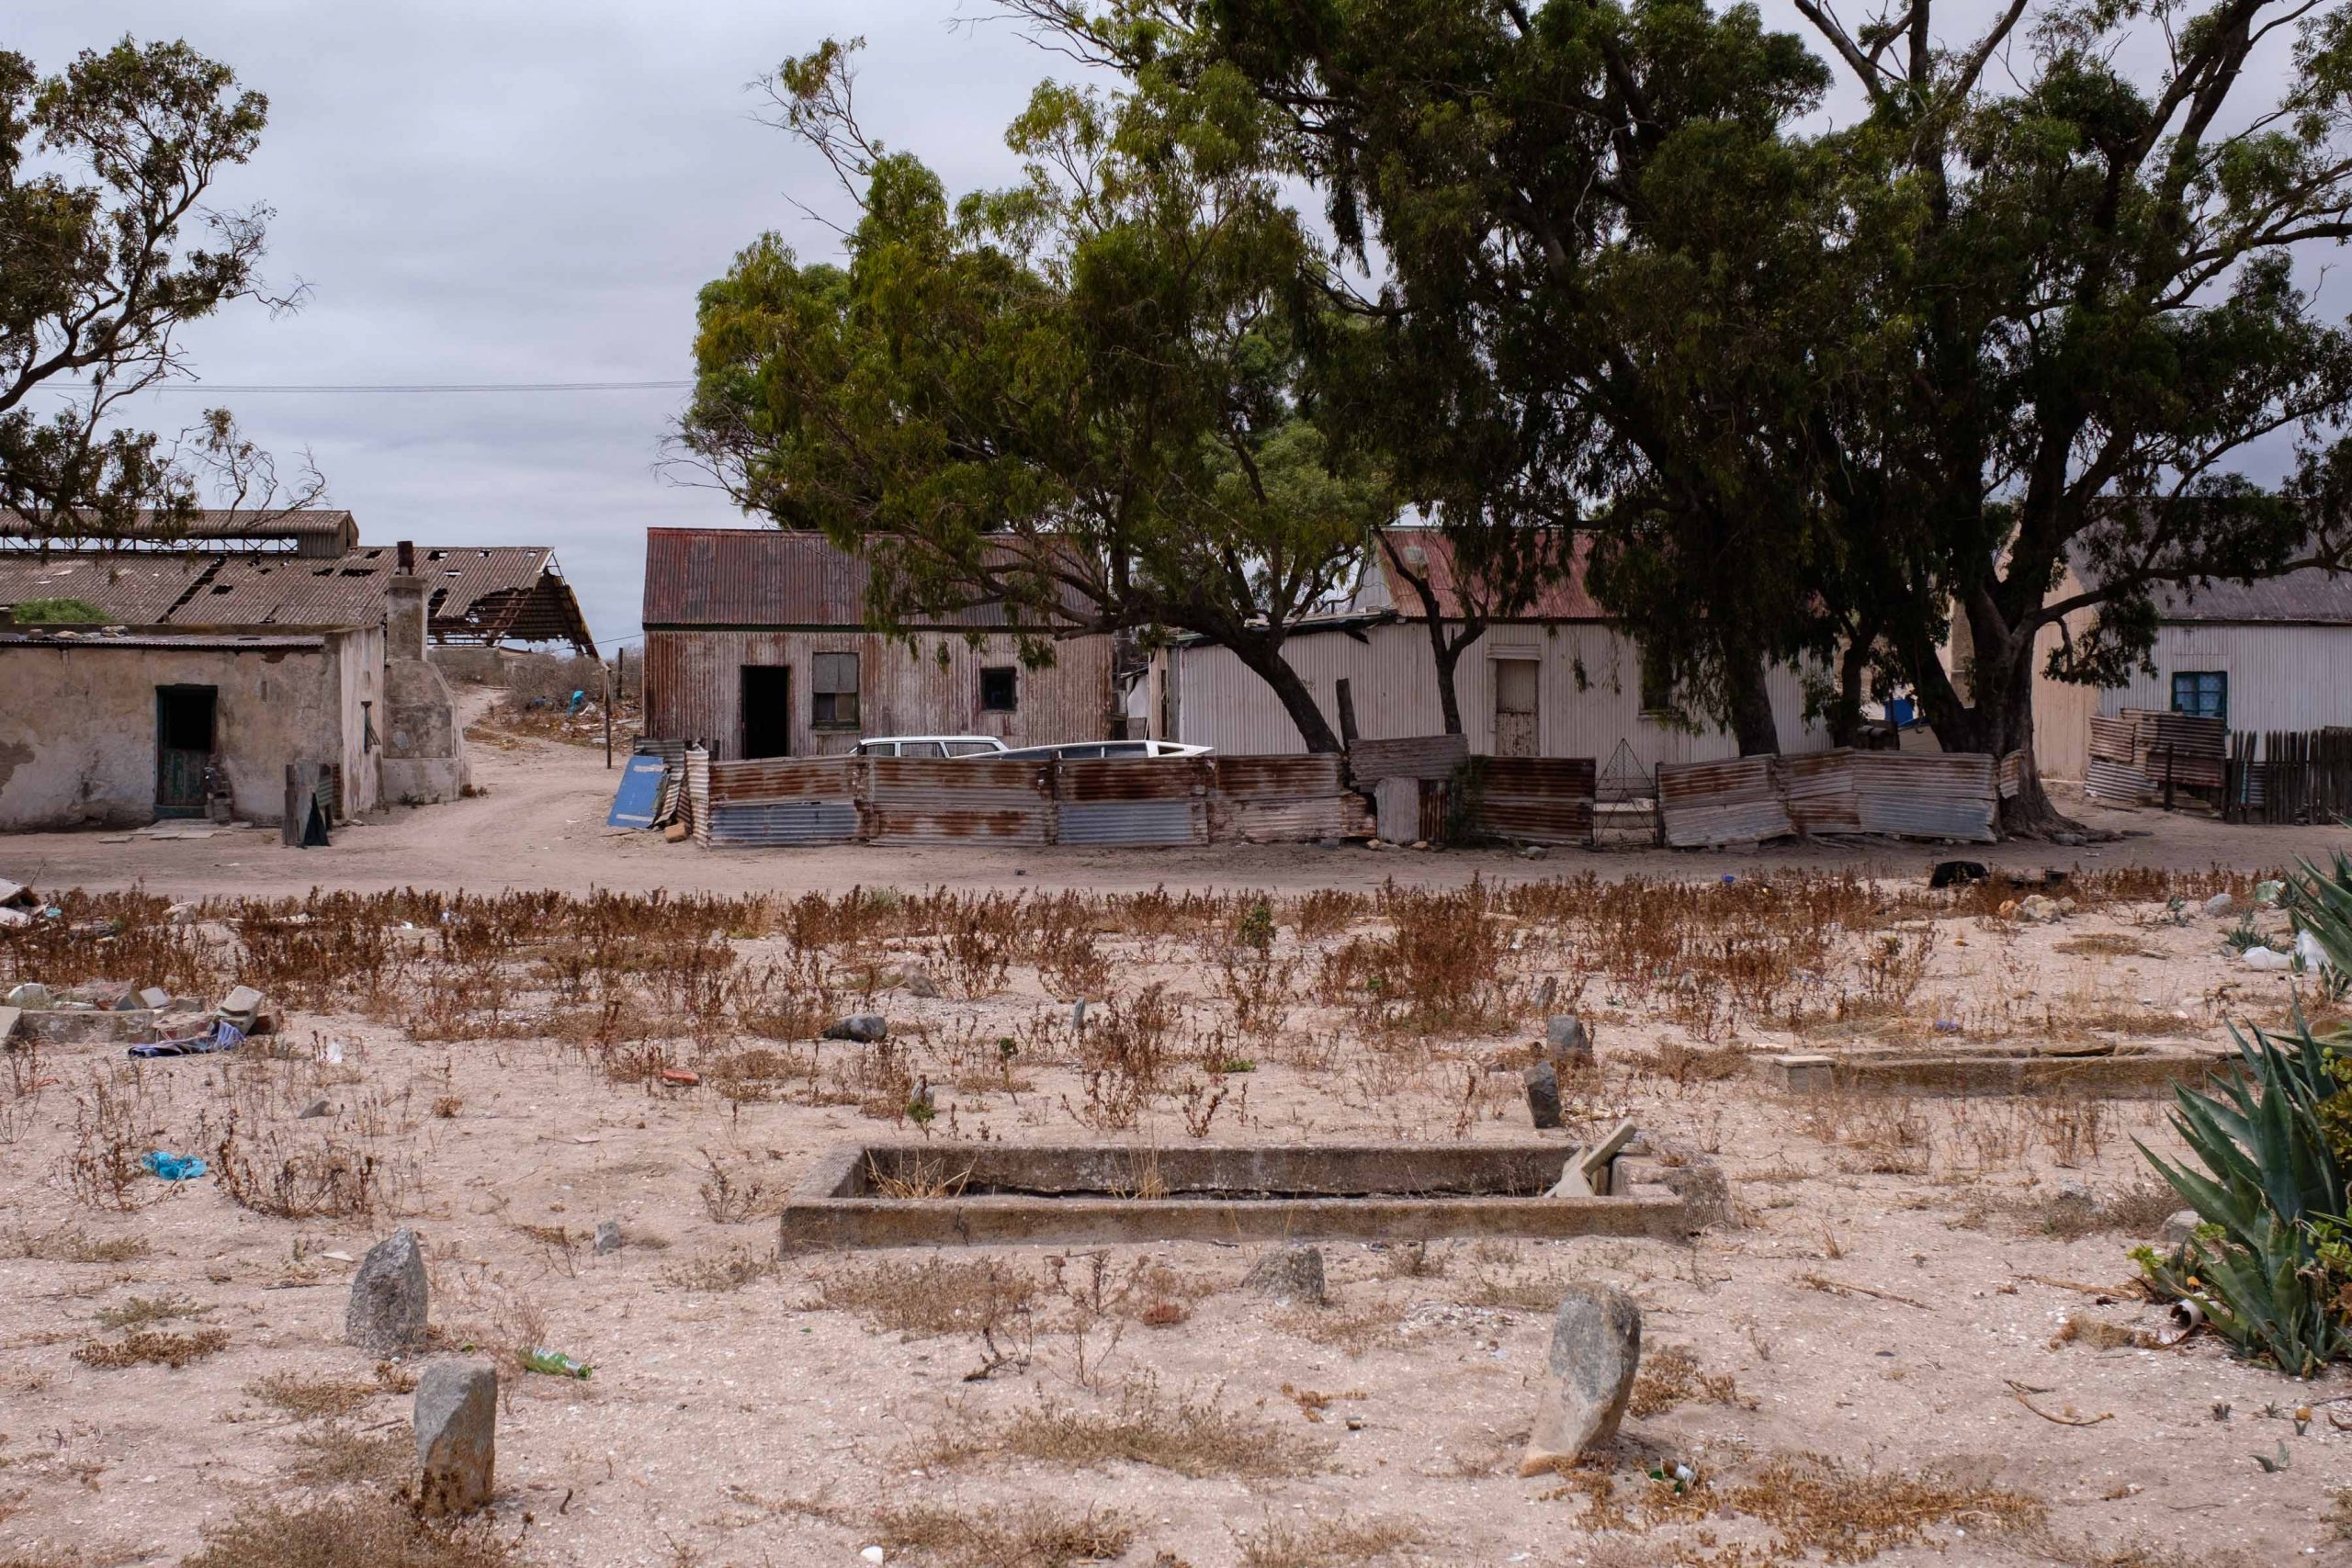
[(2221, 687), (825, 708), (1011, 675)]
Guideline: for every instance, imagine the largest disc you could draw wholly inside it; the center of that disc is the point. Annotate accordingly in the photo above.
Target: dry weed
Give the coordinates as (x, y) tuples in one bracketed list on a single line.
[(352, 1532), (311, 1398), (728, 1271), (72, 1246), (1669, 1376), (1020, 1535), (338, 1454), (924, 1300), (152, 1349), (1326, 1543), (1187, 1434), (140, 1310)]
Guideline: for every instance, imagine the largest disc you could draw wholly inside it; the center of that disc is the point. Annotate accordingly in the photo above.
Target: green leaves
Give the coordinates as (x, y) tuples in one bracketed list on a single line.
[(1083, 398), (2273, 1187)]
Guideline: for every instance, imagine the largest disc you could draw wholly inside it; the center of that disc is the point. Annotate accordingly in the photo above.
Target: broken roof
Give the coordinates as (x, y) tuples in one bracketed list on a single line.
[(313, 531), (474, 593)]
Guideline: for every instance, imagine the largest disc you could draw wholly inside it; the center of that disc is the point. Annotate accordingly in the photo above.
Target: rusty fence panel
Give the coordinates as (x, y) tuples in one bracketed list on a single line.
[(1732, 802), (1431, 756), (695, 808), (1818, 789), (1535, 800), (914, 800), (772, 802), (1134, 801), (1278, 799), (1950, 795)]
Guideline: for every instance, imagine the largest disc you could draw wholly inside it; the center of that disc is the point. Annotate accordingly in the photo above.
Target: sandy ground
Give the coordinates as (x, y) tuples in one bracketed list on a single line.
[(539, 823), (1898, 1277)]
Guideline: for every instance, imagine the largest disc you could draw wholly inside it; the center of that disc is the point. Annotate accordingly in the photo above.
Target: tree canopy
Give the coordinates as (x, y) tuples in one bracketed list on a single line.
[(1831, 391), (107, 251), (1085, 397)]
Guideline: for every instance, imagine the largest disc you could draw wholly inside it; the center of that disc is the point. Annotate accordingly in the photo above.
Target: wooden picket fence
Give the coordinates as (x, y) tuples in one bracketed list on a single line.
[(2288, 776)]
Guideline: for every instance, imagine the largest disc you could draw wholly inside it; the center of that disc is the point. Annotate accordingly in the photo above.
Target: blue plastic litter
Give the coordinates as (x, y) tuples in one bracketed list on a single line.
[(579, 701), (171, 1166)]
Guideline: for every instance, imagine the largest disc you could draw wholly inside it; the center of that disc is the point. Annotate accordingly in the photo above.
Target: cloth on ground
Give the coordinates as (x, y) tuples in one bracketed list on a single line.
[(221, 1036)]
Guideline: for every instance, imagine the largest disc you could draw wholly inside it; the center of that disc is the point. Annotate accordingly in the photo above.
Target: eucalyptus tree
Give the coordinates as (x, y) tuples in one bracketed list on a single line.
[(1083, 398)]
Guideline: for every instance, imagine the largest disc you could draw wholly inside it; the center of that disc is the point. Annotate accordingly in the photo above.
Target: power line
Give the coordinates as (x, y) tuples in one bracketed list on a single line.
[(432, 386)]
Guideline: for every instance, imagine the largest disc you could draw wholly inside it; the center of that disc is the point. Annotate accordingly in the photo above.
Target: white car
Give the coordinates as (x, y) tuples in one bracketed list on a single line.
[(934, 746), (1089, 751)]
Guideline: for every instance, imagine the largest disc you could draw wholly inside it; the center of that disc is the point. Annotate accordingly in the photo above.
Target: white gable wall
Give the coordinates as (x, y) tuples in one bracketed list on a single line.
[(1588, 695)]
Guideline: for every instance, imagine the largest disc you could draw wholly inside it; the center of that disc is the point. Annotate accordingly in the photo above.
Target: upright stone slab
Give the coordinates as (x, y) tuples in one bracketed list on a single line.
[(388, 1308), (1293, 1273), (1543, 1096), (1596, 1349), (456, 1435), (1567, 1045)]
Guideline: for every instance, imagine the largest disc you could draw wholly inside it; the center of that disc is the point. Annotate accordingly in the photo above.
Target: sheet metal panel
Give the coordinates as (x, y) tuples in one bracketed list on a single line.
[(784, 823), (1819, 792), (1927, 794), (2115, 781), (1137, 822), (787, 778), (1278, 778), (1733, 802), (1132, 779), (916, 800), (1279, 821), (637, 801), (1433, 757), (957, 825), (1539, 800)]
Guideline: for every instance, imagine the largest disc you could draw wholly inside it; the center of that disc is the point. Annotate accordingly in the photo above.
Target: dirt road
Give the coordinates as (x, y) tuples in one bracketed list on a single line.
[(539, 823)]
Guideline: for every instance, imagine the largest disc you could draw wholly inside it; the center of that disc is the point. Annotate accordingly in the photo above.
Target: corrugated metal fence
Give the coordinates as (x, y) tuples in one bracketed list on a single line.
[(1902, 794), (912, 801)]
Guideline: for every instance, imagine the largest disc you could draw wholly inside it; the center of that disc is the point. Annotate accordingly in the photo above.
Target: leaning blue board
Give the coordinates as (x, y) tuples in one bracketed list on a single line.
[(640, 793)]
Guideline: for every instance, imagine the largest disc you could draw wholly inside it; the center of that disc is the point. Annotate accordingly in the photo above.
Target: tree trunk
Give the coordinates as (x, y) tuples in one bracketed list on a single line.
[(1448, 654), (1853, 663), (2001, 721), (1264, 659), (1751, 706)]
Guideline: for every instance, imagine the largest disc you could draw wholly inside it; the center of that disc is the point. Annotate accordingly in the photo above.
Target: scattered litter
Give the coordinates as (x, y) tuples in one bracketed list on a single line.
[(2267, 959), (33, 996), (874, 1554), (172, 1167), (685, 1078), (221, 1036), (2185, 1319), (555, 1364), (338, 1256)]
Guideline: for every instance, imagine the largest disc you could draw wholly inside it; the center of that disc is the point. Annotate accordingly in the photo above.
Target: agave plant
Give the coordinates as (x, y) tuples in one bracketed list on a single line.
[(2321, 903), (2270, 1182)]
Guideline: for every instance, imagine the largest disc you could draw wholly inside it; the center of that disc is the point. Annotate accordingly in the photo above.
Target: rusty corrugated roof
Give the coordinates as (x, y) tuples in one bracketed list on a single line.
[(1430, 554), (304, 523), (766, 578)]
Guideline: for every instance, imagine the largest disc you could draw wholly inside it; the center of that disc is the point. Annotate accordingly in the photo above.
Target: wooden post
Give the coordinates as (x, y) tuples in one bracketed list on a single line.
[(1347, 716), (607, 670)]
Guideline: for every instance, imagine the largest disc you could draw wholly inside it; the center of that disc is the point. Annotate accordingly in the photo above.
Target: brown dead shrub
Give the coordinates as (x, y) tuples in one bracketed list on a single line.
[(368, 1532), (1017, 1535), (152, 1350)]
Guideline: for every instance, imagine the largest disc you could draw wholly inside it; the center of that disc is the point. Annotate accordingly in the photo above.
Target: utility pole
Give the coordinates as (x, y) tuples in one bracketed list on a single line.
[(608, 714)]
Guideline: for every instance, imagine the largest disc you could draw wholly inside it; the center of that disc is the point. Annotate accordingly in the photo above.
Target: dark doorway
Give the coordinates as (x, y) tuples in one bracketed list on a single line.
[(767, 710), (183, 748)]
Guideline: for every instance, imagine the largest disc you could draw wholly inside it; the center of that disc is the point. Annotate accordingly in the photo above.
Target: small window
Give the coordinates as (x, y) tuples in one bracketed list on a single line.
[(1657, 683), (1001, 689), (2203, 692), (367, 727), (832, 689)]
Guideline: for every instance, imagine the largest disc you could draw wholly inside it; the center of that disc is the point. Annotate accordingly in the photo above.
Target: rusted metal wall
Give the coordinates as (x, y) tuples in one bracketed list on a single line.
[(1536, 800), (1278, 799), (694, 687), (1903, 795), (1431, 757), (913, 801)]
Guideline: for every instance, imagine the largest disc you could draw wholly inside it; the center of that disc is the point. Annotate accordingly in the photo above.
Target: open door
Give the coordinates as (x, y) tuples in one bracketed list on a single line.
[(184, 720), (1515, 717), (767, 710)]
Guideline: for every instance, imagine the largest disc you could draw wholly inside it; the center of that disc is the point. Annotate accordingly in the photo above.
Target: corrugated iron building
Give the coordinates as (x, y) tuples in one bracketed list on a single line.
[(2270, 655), (1560, 680), (756, 644)]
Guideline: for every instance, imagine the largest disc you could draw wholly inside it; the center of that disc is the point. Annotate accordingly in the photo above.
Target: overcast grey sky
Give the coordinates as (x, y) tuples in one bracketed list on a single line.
[(528, 192), (516, 190)]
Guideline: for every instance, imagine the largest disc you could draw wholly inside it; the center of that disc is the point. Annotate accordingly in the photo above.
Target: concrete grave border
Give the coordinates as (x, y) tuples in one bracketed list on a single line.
[(1089, 1194), (2120, 1073)]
